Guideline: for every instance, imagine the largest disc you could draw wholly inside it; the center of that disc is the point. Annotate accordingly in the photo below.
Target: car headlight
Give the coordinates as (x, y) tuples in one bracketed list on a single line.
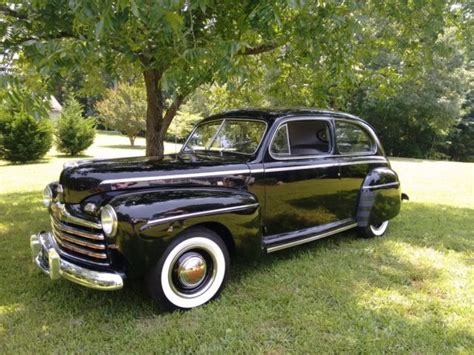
[(47, 196), (108, 218)]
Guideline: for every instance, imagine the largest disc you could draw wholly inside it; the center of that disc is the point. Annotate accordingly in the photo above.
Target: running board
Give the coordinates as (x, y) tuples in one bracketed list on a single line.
[(272, 248)]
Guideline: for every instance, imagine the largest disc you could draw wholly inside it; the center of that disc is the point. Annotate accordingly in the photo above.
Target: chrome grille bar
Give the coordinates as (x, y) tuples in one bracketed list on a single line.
[(77, 249), (63, 252), (78, 241), (80, 233)]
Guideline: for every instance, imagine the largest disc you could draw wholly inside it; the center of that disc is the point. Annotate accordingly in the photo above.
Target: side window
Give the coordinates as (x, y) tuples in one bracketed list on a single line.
[(353, 139), (280, 145), (301, 138)]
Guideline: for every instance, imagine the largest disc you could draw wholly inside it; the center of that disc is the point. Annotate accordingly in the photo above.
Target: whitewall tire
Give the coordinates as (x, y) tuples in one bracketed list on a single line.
[(374, 230), (191, 272)]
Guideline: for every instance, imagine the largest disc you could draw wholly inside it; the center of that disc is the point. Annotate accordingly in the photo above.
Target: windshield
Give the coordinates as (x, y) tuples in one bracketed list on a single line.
[(227, 135)]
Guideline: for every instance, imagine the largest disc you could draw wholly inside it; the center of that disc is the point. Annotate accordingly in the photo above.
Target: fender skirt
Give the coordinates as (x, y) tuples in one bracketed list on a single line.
[(379, 198)]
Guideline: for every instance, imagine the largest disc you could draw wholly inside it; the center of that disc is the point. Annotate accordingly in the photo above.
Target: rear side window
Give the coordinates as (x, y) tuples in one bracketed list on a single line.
[(353, 139), (301, 138)]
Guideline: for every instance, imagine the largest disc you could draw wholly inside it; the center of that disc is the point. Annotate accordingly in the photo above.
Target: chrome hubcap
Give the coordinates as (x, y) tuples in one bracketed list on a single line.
[(191, 269)]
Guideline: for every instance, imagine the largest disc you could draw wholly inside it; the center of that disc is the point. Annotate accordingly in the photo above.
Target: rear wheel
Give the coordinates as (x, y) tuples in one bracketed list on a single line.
[(191, 271), (374, 230)]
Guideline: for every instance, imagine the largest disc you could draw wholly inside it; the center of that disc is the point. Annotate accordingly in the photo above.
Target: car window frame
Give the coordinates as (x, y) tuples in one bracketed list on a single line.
[(223, 119), (365, 128), (328, 120)]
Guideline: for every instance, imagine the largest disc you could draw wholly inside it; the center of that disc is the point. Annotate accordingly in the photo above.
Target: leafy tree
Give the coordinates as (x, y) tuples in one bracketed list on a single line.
[(24, 138), (74, 134), (180, 45), (124, 109), (411, 89), (183, 123), (462, 141)]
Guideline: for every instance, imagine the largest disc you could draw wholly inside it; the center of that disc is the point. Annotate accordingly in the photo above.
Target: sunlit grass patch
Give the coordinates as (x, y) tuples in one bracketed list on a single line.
[(11, 308)]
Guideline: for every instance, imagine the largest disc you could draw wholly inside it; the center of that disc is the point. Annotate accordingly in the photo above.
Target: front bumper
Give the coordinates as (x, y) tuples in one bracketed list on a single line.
[(49, 261)]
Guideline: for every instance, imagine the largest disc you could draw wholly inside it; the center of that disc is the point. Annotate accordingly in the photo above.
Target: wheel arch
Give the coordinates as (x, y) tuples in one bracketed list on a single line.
[(222, 231)]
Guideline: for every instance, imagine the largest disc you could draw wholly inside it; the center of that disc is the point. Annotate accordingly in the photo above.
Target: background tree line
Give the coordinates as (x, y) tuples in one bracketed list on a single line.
[(406, 67)]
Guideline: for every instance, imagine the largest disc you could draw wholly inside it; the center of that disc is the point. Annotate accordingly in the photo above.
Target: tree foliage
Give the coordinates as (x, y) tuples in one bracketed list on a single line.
[(124, 109), (461, 141), (410, 88), (183, 123), (313, 53), (74, 134)]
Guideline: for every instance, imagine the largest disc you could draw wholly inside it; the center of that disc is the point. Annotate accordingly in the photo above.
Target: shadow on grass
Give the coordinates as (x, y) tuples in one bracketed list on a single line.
[(7, 163), (46, 160), (124, 146), (65, 156), (338, 294)]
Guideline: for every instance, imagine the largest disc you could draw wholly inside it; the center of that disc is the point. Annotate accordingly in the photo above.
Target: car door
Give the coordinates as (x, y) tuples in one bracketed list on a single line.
[(358, 153), (301, 176)]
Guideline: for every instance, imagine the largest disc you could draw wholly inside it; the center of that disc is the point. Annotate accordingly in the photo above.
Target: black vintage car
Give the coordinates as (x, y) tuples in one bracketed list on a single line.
[(245, 181)]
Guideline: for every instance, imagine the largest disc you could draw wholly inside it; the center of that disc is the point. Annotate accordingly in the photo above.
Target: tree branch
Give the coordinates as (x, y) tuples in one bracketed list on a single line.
[(259, 49), (8, 11), (171, 111)]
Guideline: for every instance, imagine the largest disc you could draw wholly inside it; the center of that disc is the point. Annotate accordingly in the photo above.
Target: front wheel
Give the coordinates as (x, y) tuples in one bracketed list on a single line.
[(374, 230), (191, 272)]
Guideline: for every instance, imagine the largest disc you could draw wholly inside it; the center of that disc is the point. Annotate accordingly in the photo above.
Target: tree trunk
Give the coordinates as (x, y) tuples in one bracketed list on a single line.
[(132, 140), (157, 120), (154, 113)]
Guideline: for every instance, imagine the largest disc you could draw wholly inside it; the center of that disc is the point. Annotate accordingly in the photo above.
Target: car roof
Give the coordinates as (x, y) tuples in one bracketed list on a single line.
[(270, 114)]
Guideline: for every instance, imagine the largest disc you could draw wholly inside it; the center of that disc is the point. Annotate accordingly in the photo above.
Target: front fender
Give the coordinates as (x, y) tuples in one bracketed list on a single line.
[(149, 219), (380, 197)]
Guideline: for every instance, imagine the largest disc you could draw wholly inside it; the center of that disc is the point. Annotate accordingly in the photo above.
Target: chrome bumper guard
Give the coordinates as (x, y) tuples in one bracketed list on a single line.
[(48, 260)]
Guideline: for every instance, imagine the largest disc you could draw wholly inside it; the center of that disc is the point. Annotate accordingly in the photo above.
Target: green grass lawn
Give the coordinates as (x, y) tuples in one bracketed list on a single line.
[(411, 291)]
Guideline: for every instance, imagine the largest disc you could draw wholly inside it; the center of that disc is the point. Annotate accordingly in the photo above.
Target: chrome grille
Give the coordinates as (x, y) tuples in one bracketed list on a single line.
[(79, 242)]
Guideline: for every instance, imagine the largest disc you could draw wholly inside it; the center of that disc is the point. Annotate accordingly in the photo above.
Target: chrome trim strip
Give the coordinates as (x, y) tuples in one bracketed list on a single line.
[(310, 239), (287, 139), (256, 171), (61, 208), (364, 162), (43, 243), (177, 176), (381, 185), (202, 213), (67, 229), (235, 172), (304, 167)]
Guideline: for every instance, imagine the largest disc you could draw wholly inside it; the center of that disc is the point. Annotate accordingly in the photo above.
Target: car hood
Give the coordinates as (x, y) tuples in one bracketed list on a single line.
[(84, 178)]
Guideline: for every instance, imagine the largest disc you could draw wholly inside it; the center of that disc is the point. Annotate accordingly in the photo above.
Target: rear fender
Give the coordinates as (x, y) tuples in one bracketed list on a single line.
[(380, 197)]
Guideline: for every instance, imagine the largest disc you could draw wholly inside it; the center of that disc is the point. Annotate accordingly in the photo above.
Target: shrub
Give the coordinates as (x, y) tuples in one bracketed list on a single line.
[(23, 138), (74, 133), (124, 109)]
